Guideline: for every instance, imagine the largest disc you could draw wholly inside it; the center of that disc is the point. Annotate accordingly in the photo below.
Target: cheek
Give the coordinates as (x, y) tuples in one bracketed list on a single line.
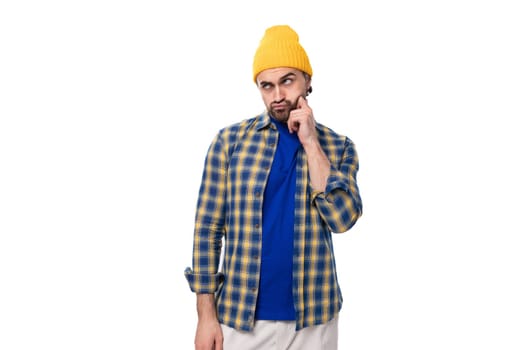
[(295, 96), (267, 98)]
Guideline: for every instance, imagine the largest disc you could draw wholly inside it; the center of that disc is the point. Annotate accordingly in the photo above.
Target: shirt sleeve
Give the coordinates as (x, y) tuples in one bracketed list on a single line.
[(209, 222), (340, 203)]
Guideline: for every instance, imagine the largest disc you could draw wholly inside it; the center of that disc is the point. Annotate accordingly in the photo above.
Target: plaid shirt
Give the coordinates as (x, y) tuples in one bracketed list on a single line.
[(230, 205)]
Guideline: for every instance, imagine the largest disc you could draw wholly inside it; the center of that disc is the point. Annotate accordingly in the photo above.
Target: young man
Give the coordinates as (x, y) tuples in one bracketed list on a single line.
[(274, 187)]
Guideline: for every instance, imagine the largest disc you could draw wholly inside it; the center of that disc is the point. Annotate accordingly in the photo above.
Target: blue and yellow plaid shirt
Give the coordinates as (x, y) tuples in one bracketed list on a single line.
[(230, 206)]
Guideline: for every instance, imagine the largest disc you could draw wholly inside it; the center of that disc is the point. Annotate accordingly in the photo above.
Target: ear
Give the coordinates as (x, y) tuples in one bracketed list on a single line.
[(309, 90)]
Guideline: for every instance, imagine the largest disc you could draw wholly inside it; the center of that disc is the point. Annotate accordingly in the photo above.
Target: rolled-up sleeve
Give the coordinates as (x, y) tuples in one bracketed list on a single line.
[(209, 223), (203, 283), (339, 204)]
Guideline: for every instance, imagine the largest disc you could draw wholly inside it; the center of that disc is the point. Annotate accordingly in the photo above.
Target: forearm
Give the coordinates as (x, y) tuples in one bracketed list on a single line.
[(318, 165), (206, 310)]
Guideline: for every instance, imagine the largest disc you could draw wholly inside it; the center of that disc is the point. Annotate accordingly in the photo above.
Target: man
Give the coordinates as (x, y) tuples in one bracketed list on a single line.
[(274, 187)]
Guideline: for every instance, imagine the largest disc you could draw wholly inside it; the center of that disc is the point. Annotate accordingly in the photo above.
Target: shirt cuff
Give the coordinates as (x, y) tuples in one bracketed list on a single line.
[(203, 283), (333, 183)]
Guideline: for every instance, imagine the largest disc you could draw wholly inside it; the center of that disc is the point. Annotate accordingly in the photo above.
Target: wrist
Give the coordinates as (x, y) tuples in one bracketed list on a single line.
[(206, 307), (311, 145)]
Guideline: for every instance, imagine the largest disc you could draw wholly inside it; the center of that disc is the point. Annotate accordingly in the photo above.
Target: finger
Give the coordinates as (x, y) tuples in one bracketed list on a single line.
[(293, 125), (301, 102), (218, 345)]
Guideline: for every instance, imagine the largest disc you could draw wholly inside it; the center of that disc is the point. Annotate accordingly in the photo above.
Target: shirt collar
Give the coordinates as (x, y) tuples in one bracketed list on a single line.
[(263, 121)]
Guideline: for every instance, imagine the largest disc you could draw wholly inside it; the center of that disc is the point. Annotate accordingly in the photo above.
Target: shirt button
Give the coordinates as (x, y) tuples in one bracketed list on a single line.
[(254, 290), (257, 194), (255, 257), (256, 225)]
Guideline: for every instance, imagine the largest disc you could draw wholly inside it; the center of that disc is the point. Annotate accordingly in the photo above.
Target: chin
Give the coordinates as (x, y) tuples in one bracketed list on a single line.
[(280, 116)]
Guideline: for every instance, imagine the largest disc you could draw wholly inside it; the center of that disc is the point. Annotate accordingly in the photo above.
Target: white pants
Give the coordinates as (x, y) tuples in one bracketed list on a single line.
[(281, 335)]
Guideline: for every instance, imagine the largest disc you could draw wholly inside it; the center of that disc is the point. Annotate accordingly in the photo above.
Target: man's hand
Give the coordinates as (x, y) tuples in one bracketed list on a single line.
[(209, 335), (302, 122)]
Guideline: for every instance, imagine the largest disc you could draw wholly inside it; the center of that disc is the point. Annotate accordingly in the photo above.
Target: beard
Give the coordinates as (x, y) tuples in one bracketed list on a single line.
[(283, 109)]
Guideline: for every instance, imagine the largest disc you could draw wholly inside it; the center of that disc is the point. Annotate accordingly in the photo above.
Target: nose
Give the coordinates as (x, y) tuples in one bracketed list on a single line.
[(277, 94)]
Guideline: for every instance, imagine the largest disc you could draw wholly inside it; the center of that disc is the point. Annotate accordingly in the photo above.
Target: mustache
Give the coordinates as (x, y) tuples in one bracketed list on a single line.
[(282, 102)]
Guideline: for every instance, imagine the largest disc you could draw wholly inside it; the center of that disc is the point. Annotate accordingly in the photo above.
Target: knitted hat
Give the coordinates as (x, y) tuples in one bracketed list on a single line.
[(280, 48)]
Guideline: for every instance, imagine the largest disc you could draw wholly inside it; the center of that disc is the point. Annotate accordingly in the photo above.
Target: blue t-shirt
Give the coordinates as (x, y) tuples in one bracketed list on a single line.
[(275, 298)]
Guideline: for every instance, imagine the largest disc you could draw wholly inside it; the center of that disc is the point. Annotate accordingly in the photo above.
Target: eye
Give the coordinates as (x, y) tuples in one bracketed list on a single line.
[(287, 81)]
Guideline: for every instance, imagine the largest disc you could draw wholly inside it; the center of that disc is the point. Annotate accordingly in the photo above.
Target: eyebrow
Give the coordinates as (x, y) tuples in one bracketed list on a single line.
[(288, 75)]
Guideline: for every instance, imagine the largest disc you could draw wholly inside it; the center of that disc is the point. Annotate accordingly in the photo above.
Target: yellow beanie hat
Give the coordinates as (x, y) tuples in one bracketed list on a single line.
[(280, 47)]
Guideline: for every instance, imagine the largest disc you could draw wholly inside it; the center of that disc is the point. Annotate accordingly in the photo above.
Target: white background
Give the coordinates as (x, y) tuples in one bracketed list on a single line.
[(107, 109)]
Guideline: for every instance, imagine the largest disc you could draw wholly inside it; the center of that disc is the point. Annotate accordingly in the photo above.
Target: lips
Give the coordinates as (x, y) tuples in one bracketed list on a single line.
[(280, 106)]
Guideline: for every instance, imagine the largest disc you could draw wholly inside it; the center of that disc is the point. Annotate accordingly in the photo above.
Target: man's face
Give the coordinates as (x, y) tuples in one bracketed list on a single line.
[(280, 89)]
